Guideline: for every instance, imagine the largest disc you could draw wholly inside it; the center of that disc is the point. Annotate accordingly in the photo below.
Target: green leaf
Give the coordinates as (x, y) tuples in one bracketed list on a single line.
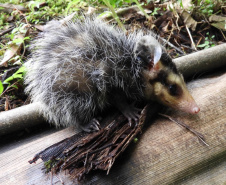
[(181, 4), (104, 13), (17, 75), (1, 87), (205, 44), (18, 41)]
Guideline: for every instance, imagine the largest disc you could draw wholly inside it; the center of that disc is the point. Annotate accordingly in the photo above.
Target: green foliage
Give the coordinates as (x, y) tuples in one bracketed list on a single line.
[(1, 87), (208, 42), (19, 29), (119, 3), (181, 4), (207, 6), (42, 14), (58, 8), (110, 6), (141, 9), (20, 40), (3, 17), (155, 11), (51, 163), (18, 75), (48, 164), (135, 140)]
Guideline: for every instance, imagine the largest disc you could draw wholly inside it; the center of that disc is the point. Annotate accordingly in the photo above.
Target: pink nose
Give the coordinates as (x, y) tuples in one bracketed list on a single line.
[(195, 110)]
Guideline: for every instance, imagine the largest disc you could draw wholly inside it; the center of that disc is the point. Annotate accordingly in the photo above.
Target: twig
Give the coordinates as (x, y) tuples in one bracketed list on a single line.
[(114, 14), (199, 135), (6, 31), (9, 87), (193, 44), (142, 10), (223, 34), (81, 153), (171, 45)]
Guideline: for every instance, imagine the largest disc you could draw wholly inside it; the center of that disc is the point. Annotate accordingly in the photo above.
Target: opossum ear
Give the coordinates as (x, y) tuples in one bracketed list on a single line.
[(157, 54)]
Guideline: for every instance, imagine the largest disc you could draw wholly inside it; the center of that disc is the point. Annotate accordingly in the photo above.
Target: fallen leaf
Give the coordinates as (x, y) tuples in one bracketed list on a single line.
[(8, 8), (218, 22), (220, 25), (216, 18), (188, 20), (165, 17), (68, 18), (12, 51), (39, 27), (91, 11)]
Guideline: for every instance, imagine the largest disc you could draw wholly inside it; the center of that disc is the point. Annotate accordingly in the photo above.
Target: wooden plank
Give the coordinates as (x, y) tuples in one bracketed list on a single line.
[(14, 157), (165, 153)]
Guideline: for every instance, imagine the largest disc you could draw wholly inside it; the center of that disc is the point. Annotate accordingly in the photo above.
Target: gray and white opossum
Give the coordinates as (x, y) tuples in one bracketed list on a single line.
[(79, 68)]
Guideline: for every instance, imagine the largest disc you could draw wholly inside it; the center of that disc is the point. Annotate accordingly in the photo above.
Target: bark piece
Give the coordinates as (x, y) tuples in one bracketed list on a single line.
[(83, 152)]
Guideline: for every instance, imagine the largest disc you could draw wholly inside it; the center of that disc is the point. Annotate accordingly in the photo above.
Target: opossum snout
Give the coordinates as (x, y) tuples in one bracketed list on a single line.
[(195, 110), (189, 106)]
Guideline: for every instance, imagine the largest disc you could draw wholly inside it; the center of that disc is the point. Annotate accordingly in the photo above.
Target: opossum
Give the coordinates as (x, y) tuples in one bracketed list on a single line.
[(78, 69)]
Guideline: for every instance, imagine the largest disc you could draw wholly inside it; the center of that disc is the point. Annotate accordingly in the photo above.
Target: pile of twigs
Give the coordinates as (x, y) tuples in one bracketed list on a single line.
[(85, 152)]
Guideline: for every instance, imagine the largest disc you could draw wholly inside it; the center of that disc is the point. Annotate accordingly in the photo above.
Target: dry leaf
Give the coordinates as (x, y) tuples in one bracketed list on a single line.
[(68, 18), (12, 51), (91, 11), (188, 20), (218, 22), (8, 8), (217, 18), (39, 27)]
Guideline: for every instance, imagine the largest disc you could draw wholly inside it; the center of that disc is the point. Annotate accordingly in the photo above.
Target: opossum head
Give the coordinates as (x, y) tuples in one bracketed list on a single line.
[(148, 50), (163, 83)]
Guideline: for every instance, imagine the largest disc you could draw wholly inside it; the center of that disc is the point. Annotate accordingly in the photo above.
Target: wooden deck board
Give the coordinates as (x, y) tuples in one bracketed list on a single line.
[(165, 153)]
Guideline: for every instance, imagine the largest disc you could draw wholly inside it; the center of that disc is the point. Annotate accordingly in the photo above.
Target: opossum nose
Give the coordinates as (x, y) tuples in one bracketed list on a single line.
[(195, 110)]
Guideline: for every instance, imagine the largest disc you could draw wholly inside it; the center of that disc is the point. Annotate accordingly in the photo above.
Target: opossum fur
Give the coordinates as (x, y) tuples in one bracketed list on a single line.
[(78, 69)]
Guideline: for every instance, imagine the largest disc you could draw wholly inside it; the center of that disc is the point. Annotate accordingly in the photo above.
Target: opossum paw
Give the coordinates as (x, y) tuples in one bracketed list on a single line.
[(92, 126), (132, 114)]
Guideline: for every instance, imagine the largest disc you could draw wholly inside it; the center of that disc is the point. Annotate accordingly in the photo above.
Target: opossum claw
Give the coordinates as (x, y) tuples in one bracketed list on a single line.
[(92, 126), (132, 114)]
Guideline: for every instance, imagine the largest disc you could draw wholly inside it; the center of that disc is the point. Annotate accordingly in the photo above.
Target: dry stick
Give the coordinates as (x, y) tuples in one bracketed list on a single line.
[(199, 135), (171, 45), (223, 34), (112, 140), (193, 44), (6, 31)]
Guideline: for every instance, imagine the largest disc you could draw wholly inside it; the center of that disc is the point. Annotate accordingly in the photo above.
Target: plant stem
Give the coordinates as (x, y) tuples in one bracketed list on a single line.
[(114, 15)]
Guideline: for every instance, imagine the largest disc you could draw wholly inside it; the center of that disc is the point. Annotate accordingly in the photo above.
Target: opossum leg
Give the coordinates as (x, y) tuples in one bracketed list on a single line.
[(128, 110), (92, 126)]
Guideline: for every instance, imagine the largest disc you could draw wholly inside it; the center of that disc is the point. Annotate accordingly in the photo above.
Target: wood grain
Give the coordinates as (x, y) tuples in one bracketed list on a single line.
[(165, 153)]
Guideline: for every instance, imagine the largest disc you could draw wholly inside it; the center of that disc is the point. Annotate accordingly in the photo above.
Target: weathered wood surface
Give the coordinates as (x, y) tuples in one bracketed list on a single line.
[(165, 153)]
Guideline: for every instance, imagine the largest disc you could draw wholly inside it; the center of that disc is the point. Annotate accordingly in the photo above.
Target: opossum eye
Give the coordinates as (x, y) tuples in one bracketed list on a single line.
[(173, 89), (139, 59), (149, 58)]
